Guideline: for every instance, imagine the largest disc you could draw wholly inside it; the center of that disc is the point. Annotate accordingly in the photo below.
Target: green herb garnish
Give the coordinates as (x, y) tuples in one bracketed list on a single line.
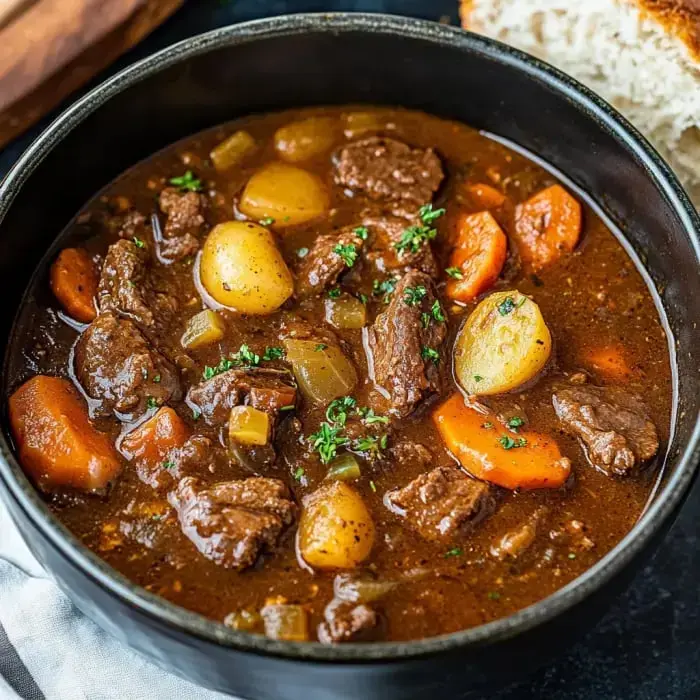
[(327, 441), (494, 595), (151, 402), (361, 232), (428, 214), (298, 473), (273, 353), (454, 552), (334, 293), (414, 237), (515, 422), (477, 377), (437, 312), (267, 221), (320, 347), (138, 242), (454, 272), (168, 464), (347, 252), (430, 354), (246, 357), (302, 252), (386, 287), (224, 365), (369, 416), (339, 409), (508, 443), (414, 295), (187, 182)]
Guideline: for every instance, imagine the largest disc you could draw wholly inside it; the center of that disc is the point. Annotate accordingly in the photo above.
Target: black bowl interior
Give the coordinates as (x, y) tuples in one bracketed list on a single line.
[(326, 59)]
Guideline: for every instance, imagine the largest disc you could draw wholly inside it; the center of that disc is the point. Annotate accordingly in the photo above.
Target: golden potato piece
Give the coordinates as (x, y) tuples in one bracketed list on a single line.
[(336, 529), (242, 268), (306, 138), (284, 195), (503, 344)]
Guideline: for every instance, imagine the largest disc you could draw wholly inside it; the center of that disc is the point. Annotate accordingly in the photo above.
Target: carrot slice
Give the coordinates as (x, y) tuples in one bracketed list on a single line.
[(57, 444), (151, 442), (485, 196), (610, 361), (74, 282), (489, 451), (478, 255), (546, 226)]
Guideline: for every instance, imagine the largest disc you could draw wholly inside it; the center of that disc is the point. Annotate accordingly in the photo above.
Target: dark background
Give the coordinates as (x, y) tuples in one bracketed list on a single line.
[(648, 646)]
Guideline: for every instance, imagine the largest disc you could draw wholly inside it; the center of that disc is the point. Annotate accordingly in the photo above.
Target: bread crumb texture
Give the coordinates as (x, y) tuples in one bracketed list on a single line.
[(643, 57)]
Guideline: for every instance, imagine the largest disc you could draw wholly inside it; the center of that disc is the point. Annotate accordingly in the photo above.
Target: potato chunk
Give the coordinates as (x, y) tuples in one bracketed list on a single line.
[(503, 344), (336, 529), (242, 268), (306, 138), (284, 193)]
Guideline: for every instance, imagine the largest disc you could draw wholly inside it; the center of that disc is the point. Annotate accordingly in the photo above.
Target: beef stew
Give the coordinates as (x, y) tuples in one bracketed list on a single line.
[(344, 374)]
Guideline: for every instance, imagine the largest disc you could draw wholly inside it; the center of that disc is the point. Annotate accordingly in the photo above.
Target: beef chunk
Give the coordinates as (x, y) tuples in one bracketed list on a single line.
[(347, 622), (516, 542), (121, 370), (183, 224), (322, 266), (265, 389), (413, 454), (399, 340), (233, 521), (195, 456), (386, 232), (132, 225), (442, 503), (611, 423), (385, 169), (126, 289)]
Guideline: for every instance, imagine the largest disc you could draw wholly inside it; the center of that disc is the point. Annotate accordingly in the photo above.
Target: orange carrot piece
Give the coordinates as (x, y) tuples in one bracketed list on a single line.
[(609, 361), (479, 255), (489, 451), (485, 196), (74, 282), (57, 444), (546, 226), (150, 443)]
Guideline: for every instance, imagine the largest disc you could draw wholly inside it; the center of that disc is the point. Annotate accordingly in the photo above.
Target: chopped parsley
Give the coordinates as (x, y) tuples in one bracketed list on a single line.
[(508, 443), (386, 287), (477, 377), (302, 252), (414, 237), (224, 365), (299, 473), (488, 425), (267, 221), (361, 232), (196, 414), (425, 319), (494, 595), (437, 312), (320, 347), (334, 293), (370, 417), (273, 353), (430, 354), (414, 295), (362, 298), (339, 409), (373, 486), (138, 242), (428, 214), (152, 402), (246, 357), (454, 552), (454, 272), (168, 464), (327, 441), (515, 422), (156, 379), (506, 306), (371, 445), (347, 252), (187, 182)]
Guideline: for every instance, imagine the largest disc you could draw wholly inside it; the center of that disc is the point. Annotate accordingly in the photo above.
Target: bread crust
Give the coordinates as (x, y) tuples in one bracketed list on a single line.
[(680, 18)]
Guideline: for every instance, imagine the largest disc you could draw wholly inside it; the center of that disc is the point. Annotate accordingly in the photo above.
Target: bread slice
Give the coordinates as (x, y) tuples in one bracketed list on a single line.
[(643, 56)]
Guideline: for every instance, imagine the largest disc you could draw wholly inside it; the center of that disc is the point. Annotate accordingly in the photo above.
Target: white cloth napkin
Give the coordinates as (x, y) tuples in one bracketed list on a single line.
[(50, 651)]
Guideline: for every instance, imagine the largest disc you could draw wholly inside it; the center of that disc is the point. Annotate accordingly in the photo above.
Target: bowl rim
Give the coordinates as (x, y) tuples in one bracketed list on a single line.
[(670, 497)]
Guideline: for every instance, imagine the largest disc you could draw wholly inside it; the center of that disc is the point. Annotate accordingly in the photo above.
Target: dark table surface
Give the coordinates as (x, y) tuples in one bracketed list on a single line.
[(648, 646)]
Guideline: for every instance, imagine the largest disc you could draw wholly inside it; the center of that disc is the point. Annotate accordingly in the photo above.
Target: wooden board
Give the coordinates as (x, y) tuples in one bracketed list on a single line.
[(55, 46)]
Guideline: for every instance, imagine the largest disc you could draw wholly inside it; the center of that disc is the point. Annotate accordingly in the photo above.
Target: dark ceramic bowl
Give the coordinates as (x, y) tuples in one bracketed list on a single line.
[(322, 59)]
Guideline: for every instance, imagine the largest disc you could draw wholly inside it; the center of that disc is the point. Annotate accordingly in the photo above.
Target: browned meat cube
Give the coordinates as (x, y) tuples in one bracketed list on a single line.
[(121, 370), (612, 424), (126, 289), (443, 503), (266, 389), (232, 522), (183, 224), (385, 169), (347, 622), (406, 348), (323, 265)]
